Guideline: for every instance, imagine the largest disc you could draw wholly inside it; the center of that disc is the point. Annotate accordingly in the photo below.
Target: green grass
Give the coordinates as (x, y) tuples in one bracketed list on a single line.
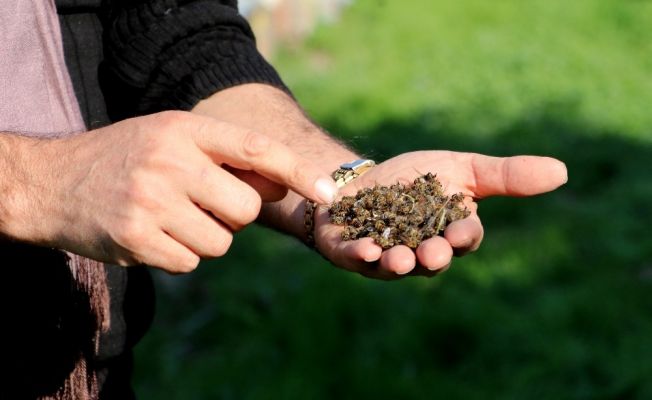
[(556, 304)]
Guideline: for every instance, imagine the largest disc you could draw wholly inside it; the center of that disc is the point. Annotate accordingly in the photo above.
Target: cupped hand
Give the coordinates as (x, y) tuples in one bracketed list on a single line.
[(477, 176), (156, 190)]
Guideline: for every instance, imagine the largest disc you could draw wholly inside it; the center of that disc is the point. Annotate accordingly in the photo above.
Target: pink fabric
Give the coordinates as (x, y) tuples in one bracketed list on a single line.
[(36, 95), (37, 99)]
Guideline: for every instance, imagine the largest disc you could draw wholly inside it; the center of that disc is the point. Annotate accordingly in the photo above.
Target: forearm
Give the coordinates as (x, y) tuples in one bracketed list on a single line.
[(6, 170), (271, 111), (15, 184)]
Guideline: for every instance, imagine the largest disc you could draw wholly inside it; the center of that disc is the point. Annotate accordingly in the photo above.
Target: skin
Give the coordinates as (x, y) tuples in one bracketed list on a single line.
[(154, 190), (477, 176), (171, 188)]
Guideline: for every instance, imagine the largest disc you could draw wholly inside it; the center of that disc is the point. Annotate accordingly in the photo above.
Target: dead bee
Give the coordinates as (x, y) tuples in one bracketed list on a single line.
[(398, 213), (411, 238), (401, 222), (348, 233), (384, 239), (384, 243), (361, 213), (416, 218), (368, 202), (380, 201), (337, 219), (364, 192), (428, 233), (388, 216), (347, 202)]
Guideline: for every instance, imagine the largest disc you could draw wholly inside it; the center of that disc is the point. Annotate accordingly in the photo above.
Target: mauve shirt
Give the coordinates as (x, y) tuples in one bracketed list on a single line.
[(36, 95)]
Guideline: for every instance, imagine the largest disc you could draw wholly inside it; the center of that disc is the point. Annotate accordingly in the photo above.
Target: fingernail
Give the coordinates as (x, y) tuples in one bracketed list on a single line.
[(563, 171), (326, 190), (370, 257)]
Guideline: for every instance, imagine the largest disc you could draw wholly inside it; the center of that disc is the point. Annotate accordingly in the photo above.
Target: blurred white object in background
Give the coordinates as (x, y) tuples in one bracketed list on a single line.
[(287, 21)]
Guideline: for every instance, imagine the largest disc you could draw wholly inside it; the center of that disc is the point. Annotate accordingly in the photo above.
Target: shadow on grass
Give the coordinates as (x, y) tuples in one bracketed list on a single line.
[(554, 305)]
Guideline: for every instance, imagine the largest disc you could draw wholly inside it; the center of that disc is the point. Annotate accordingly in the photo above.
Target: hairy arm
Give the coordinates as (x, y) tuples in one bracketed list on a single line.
[(11, 173), (23, 181)]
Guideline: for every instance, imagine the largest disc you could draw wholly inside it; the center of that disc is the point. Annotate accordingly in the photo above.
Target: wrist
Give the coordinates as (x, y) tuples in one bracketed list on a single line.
[(285, 215), (14, 159), (29, 173)]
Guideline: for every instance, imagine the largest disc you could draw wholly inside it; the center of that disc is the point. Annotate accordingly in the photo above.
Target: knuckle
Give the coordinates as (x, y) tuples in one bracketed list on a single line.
[(147, 154), (164, 130), (168, 121), (255, 144), (141, 194), (130, 234)]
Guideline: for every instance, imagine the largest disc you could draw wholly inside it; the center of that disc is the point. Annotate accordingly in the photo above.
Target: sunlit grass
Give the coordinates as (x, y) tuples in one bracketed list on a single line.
[(483, 63)]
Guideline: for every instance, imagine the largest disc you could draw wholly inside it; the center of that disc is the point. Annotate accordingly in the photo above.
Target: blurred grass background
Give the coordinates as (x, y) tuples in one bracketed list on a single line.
[(556, 304)]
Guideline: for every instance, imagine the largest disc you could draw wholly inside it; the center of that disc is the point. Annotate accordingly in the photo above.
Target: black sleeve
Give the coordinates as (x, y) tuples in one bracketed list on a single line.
[(170, 54)]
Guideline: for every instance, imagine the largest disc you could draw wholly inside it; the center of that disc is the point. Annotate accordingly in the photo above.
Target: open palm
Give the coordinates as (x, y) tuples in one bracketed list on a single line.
[(476, 176)]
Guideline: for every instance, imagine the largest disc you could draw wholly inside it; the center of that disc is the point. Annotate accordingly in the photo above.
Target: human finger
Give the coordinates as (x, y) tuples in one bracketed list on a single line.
[(359, 256), (362, 255), (228, 198), (465, 235), (434, 253), (167, 254), (198, 231), (353, 255), (248, 150), (515, 176), (399, 260), (268, 190)]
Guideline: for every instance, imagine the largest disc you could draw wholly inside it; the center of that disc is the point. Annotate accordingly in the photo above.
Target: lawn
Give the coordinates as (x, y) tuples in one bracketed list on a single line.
[(557, 304)]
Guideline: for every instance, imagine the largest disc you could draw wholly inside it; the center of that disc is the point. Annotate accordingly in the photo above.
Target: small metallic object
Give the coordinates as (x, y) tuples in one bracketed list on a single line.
[(343, 175), (349, 171)]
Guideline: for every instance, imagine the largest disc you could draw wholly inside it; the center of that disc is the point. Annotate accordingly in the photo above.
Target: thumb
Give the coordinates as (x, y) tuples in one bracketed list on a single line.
[(516, 176)]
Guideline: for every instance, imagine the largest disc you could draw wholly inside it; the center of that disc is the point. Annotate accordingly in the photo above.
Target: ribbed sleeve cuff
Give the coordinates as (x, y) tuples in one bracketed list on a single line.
[(161, 55)]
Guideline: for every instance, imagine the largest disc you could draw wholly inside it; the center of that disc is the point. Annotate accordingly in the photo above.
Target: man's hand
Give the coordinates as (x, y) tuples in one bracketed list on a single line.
[(154, 190), (475, 175)]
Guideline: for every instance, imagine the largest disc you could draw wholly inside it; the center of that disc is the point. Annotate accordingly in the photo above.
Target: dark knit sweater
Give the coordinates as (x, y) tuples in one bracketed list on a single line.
[(125, 58), (158, 54)]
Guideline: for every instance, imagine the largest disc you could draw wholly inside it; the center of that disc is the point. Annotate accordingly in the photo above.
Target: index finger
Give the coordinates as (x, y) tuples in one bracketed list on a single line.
[(247, 150)]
